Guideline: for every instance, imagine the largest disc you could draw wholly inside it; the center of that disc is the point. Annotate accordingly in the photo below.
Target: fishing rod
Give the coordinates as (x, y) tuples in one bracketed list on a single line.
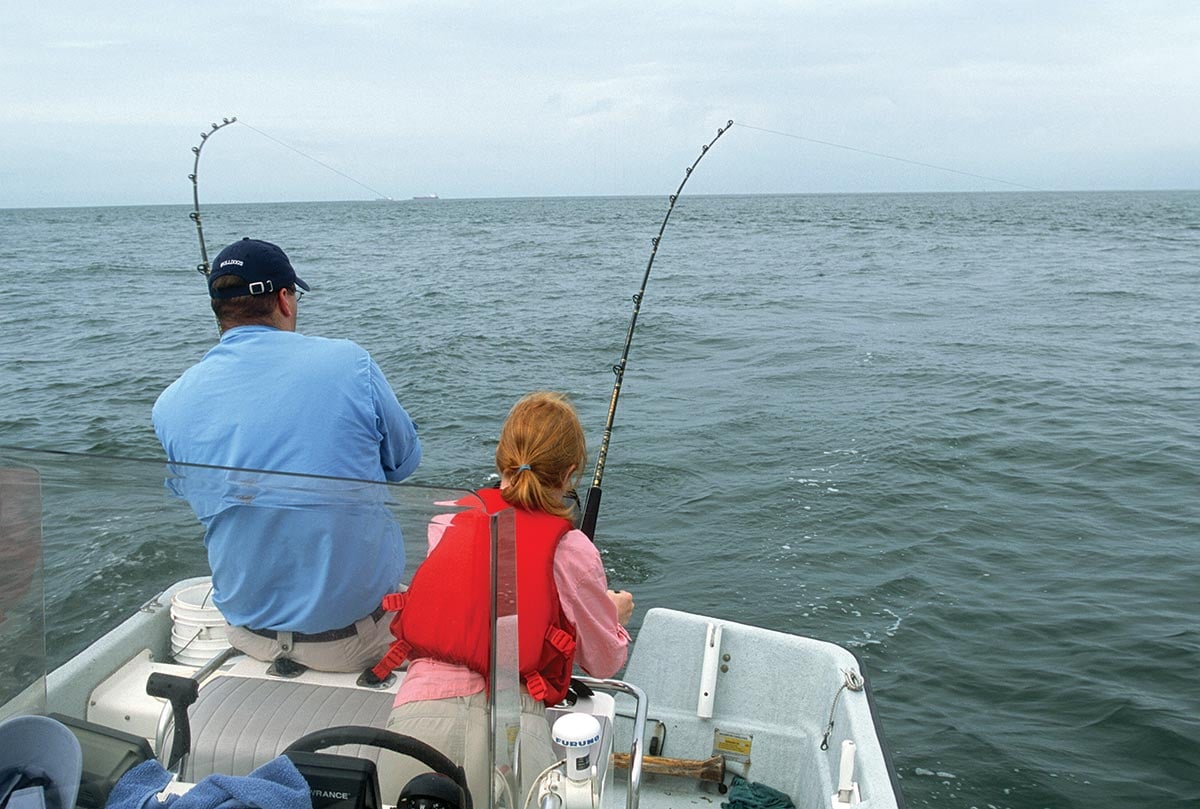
[(592, 508), (203, 267)]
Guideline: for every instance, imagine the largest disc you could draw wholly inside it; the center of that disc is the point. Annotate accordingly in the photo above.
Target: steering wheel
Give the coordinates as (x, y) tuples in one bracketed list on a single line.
[(384, 740)]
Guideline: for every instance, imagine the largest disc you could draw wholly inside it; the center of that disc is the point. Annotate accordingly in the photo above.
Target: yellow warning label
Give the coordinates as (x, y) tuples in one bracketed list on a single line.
[(732, 744)]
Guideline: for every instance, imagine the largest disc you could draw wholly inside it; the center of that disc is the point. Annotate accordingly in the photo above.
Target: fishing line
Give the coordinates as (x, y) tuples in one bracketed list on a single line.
[(318, 162), (592, 508), (888, 157)]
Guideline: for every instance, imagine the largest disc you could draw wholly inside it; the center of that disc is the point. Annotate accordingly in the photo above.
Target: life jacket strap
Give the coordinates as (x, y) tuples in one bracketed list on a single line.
[(396, 654)]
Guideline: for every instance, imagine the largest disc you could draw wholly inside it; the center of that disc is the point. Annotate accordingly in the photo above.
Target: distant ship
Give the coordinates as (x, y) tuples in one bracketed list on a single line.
[(425, 196)]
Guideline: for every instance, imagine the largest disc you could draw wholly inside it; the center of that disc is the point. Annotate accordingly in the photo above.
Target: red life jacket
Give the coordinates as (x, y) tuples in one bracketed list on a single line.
[(445, 614)]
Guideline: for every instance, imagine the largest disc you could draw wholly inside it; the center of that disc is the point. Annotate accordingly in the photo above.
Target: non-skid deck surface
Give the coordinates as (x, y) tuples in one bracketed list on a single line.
[(241, 722)]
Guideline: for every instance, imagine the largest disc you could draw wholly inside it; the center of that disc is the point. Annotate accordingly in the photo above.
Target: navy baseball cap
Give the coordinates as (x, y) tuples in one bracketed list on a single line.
[(263, 265)]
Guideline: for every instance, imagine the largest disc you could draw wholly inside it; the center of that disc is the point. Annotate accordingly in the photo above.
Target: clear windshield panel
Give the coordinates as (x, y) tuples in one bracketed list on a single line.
[(117, 531), (22, 619), (92, 545)]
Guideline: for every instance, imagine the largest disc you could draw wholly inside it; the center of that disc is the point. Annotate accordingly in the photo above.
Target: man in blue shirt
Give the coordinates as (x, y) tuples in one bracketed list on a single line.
[(300, 565)]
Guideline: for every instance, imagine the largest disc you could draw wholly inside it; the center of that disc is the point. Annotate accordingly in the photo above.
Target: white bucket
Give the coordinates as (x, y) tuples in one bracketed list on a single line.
[(194, 649), (198, 628)]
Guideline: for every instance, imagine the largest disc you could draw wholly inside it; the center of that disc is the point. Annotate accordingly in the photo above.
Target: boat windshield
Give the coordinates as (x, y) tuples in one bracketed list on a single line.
[(92, 545), (22, 616)]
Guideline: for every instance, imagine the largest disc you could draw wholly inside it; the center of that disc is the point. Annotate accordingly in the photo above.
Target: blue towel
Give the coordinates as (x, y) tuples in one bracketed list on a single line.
[(275, 785), (749, 795)]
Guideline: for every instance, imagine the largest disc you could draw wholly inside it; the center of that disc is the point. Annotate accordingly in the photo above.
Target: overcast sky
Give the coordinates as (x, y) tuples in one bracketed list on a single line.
[(101, 103)]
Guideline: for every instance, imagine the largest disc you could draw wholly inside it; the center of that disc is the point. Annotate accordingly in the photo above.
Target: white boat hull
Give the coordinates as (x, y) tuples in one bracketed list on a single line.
[(770, 697)]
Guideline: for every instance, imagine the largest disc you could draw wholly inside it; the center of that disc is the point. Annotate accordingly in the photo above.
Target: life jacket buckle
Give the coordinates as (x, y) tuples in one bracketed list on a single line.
[(396, 655), (537, 686), (561, 640), (394, 602)]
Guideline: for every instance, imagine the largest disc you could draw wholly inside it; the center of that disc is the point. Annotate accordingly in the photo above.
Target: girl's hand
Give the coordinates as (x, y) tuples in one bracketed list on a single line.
[(623, 601)]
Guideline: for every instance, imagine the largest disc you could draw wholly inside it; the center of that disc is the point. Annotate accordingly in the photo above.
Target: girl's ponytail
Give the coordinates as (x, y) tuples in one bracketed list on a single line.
[(541, 451)]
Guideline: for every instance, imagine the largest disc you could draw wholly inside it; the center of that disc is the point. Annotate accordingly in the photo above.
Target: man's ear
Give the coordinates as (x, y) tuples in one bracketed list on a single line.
[(286, 302)]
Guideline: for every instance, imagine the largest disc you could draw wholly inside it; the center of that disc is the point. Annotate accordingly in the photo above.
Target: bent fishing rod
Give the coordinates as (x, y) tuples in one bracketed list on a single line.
[(592, 508), (203, 267)]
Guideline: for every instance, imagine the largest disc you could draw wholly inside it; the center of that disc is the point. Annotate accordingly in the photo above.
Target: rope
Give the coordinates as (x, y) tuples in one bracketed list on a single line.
[(852, 680)]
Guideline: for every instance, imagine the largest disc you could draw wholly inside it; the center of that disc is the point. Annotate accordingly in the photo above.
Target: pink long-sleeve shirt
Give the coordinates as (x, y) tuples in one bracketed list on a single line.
[(601, 642)]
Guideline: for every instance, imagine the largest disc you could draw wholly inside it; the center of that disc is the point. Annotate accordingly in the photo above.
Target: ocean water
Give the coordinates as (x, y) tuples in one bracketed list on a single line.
[(959, 433)]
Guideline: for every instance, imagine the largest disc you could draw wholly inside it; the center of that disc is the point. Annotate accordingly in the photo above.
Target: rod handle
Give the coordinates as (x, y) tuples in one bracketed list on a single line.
[(591, 510)]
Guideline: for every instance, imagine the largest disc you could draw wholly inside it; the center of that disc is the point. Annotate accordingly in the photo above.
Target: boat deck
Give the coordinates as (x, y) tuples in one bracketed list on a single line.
[(760, 700)]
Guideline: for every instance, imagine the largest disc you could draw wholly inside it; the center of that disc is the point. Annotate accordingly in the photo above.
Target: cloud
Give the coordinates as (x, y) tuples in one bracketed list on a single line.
[(493, 99)]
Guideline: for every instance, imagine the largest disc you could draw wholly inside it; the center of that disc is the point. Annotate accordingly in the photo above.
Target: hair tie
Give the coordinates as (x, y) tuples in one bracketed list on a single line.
[(522, 468)]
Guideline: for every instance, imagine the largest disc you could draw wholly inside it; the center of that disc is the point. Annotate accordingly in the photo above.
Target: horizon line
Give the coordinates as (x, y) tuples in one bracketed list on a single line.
[(440, 199)]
